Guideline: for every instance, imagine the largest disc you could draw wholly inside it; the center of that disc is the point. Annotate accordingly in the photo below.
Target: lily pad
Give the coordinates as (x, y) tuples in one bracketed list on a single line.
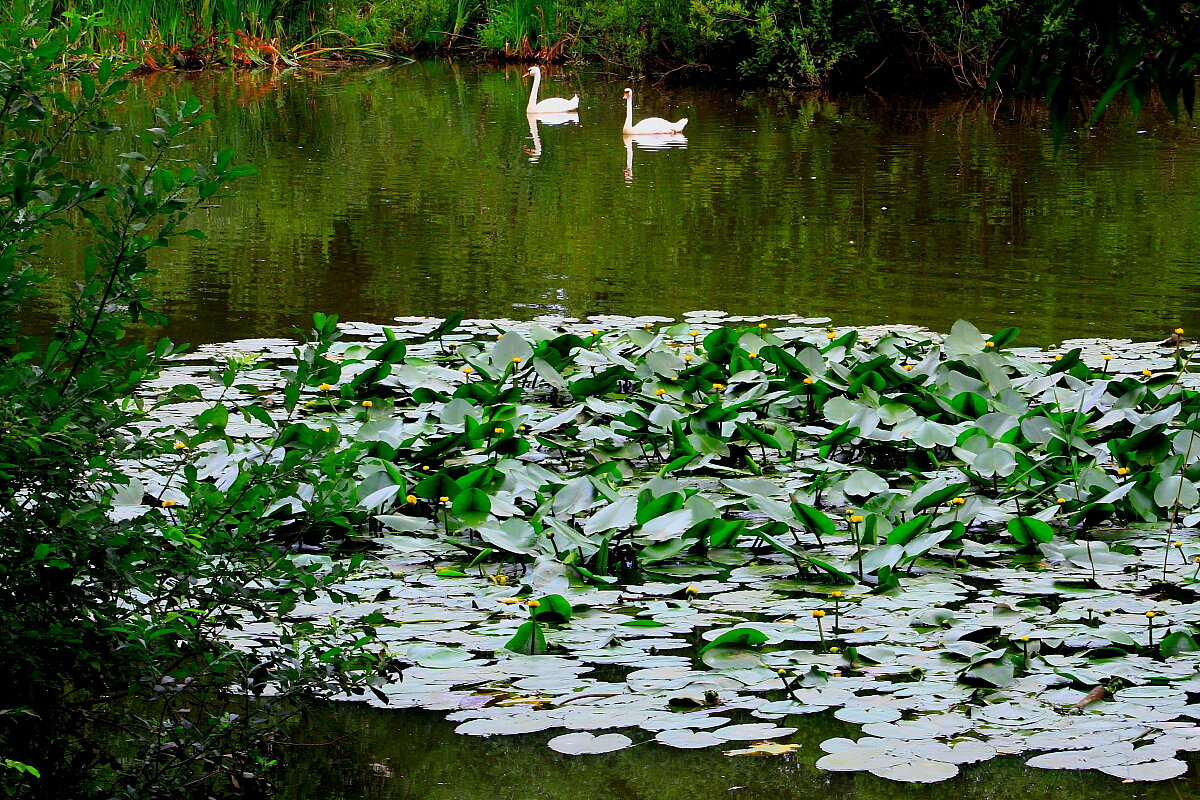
[(688, 739), (574, 744), (917, 771)]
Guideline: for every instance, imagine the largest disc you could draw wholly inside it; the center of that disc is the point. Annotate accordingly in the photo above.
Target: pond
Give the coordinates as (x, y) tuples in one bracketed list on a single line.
[(423, 189)]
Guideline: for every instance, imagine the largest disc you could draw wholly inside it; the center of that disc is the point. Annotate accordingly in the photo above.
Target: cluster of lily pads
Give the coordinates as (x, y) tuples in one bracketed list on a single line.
[(698, 531)]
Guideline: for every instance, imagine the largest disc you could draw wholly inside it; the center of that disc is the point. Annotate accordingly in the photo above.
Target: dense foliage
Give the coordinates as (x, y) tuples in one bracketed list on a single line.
[(1056, 47), (115, 679)]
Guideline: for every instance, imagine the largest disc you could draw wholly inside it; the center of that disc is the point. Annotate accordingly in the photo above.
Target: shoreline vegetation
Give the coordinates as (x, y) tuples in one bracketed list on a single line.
[(794, 44), (1077, 54)]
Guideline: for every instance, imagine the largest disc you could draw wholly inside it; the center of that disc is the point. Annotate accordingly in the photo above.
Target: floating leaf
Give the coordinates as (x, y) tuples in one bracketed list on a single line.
[(688, 739), (574, 744), (764, 749), (917, 771), (751, 730)]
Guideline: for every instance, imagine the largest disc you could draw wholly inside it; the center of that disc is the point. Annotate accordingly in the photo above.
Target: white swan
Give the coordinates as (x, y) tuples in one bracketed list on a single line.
[(551, 105), (649, 124)]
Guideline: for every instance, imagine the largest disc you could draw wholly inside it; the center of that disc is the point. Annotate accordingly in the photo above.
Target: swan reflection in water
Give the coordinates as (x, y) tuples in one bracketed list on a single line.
[(649, 141), (560, 118)]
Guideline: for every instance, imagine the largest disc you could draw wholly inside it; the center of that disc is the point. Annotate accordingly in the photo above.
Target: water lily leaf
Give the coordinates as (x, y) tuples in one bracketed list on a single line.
[(934, 617), (754, 486), (507, 725), (998, 673), (402, 523), (995, 462), (779, 708), (553, 608), (857, 759), (687, 739), (917, 771), (964, 340), (472, 507), (729, 657), (875, 653), (1176, 491), (441, 657), (528, 640), (663, 550), (1093, 758), (738, 637), (512, 536), (968, 752), (574, 744), (1027, 530), (864, 483), (1116, 636), (764, 749), (577, 495), (618, 514), (751, 730), (509, 346), (865, 715), (668, 526), (837, 744), (1149, 770), (1178, 643)]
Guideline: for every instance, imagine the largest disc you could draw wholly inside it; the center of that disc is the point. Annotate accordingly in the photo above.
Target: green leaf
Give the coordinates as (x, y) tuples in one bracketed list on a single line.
[(738, 637), (472, 507), (652, 507), (998, 673), (1027, 530), (1004, 336), (940, 497), (1178, 643), (552, 608), (814, 520), (216, 417), (906, 531), (529, 639), (969, 405)]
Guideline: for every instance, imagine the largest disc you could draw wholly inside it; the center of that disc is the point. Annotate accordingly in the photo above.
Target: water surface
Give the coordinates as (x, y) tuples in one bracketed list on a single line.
[(351, 752), (421, 189)]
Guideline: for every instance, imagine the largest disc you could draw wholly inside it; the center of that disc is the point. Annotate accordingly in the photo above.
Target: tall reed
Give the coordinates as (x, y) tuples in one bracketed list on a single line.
[(523, 28)]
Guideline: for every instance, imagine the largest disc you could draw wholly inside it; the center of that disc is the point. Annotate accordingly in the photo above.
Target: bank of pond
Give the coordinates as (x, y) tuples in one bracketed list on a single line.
[(715, 534)]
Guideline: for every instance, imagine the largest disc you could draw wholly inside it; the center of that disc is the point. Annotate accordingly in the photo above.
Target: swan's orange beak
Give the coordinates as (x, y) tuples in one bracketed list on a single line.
[(625, 95)]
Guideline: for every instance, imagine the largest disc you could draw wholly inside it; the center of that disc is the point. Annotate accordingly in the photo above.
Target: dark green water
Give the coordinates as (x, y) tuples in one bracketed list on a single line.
[(420, 190), (358, 753)]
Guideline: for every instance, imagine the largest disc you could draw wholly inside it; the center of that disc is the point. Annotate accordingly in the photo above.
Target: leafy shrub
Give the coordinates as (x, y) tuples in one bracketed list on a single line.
[(117, 604)]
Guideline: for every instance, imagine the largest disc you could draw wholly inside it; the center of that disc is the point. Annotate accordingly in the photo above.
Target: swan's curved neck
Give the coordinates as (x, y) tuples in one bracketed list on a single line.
[(628, 111), (537, 80)]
